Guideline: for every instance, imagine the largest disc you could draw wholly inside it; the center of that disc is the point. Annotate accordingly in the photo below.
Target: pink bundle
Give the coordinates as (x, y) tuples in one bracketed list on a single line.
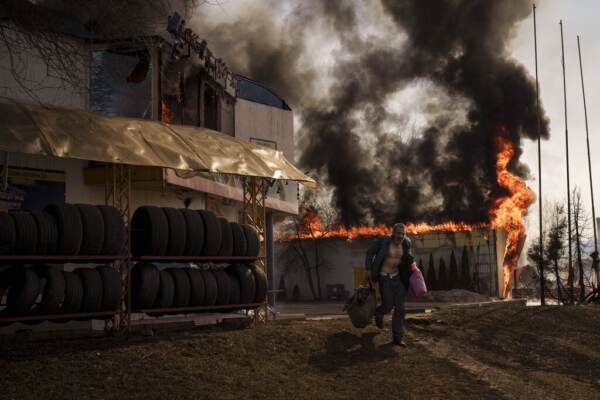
[(417, 282)]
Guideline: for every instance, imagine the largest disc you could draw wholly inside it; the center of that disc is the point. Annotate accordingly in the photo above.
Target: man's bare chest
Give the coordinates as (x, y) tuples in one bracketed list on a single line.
[(395, 251)]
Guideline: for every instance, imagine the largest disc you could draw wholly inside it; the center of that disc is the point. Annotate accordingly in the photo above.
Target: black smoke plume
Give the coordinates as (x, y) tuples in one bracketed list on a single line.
[(457, 50)]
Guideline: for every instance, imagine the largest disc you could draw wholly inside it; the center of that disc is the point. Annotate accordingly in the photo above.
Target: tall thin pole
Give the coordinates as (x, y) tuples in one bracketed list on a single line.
[(537, 93), (587, 138), (571, 289)]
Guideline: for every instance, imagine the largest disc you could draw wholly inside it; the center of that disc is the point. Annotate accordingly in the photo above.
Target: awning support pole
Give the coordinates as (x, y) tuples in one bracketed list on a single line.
[(254, 213), (118, 194)]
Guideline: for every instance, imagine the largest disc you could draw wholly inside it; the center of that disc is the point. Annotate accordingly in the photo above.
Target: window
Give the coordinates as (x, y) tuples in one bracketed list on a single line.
[(211, 108)]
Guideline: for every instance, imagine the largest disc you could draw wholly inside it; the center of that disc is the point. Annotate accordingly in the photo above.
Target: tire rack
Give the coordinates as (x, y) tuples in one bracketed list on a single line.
[(54, 259), (118, 194)]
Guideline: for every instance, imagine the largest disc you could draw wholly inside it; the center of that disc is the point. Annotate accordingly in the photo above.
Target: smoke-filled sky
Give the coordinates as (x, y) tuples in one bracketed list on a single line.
[(397, 102)]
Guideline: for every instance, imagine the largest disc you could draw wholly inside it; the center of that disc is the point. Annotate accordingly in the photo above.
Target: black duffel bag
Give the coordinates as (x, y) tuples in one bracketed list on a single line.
[(361, 306)]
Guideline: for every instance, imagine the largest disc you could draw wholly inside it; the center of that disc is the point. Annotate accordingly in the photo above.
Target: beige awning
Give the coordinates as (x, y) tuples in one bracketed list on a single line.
[(59, 132)]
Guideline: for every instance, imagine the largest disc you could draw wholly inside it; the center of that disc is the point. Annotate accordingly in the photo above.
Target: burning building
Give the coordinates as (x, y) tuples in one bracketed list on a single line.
[(318, 260), (489, 252), (470, 260)]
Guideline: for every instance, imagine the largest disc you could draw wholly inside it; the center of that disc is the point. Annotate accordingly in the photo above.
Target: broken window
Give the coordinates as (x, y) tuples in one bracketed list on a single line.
[(211, 108)]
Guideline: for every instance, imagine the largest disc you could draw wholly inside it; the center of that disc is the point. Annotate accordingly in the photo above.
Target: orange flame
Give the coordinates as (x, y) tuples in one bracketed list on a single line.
[(507, 212), (165, 112), (311, 227)]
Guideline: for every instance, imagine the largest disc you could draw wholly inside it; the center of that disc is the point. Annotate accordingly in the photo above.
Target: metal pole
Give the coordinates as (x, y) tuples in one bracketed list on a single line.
[(270, 260), (568, 174), (537, 94), (5, 172), (587, 139)]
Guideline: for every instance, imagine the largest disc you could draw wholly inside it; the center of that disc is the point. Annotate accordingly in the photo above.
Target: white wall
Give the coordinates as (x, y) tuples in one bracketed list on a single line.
[(341, 257), (259, 121)]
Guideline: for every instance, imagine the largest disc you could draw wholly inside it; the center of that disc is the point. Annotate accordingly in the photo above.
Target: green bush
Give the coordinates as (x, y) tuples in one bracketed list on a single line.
[(465, 270), (296, 293), (442, 281), (431, 279), (453, 278), (281, 294)]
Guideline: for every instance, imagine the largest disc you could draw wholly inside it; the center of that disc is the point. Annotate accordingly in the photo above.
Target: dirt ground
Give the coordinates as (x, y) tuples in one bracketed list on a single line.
[(526, 353)]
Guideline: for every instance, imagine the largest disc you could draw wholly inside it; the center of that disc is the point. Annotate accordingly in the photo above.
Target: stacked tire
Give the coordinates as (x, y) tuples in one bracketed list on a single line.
[(63, 230), (45, 290), (166, 231), (172, 288)]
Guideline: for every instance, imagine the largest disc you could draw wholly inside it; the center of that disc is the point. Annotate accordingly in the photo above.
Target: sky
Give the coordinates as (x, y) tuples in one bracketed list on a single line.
[(579, 18)]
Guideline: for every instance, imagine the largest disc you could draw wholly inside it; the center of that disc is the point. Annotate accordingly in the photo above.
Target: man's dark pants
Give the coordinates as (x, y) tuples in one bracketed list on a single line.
[(393, 295)]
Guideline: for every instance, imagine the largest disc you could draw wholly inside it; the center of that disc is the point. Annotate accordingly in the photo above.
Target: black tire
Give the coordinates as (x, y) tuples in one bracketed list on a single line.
[(177, 231), (252, 240), (247, 283), (3, 289), (92, 290), (239, 240), (8, 234), (197, 290), (53, 291), (47, 233), (166, 291), (111, 287), (149, 231), (27, 233), (145, 283), (115, 234), (69, 226), (226, 249), (73, 298), (210, 288), (23, 287), (182, 287), (194, 226), (212, 233), (261, 284), (223, 287), (235, 288), (93, 230)]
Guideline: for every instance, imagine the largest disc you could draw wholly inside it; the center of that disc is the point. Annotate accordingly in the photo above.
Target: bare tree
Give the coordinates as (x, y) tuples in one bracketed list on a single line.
[(555, 252), (533, 254), (555, 245), (61, 34), (582, 239), (304, 250)]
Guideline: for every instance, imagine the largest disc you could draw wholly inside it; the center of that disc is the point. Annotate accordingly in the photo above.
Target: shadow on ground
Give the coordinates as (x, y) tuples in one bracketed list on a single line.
[(345, 349)]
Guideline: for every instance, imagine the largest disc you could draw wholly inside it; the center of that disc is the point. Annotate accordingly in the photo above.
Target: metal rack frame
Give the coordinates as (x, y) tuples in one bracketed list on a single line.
[(117, 192), (55, 317), (184, 310)]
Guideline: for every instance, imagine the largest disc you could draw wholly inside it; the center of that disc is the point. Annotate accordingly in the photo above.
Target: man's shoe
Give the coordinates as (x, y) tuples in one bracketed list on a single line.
[(379, 321), (400, 343)]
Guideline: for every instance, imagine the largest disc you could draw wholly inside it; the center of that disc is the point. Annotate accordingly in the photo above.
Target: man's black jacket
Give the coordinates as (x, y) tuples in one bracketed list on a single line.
[(379, 250)]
